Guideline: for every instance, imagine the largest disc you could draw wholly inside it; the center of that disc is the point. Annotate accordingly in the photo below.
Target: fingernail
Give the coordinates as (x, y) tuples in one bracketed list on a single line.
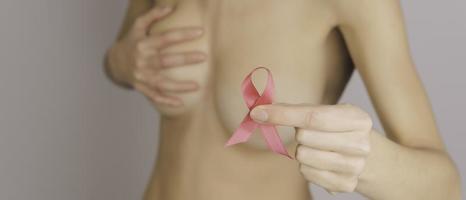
[(259, 115)]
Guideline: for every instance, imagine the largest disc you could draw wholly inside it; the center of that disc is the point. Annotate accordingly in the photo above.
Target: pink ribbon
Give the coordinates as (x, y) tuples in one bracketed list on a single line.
[(248, 125)]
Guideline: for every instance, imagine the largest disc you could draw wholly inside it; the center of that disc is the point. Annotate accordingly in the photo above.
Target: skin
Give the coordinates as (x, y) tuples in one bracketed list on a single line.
[(190, 60)]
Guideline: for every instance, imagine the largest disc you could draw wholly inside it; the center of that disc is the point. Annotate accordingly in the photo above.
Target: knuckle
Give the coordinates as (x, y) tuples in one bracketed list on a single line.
[(156, 86), (304, 171), (140, 46), (139, 63), (363, 116), (163, 38), (168, 37), (364, 147), (354, 166), (365, 120), (169, 60), (359, 165), (361, 148), (348, 186), (300, 136), (368, 123), (163, 61), (157, 83), (312, 119), (301, 153), (139, 22), (158, 80), (157, 61), (346, 165), (360, 144), (156, 41), (160, 85)]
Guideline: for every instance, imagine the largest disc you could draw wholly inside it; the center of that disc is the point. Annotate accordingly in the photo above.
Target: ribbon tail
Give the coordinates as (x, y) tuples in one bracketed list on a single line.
[(243, 132), (273, 140)]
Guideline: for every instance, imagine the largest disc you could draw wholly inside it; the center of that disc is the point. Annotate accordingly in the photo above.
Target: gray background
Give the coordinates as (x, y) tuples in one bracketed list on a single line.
[(67, 133)]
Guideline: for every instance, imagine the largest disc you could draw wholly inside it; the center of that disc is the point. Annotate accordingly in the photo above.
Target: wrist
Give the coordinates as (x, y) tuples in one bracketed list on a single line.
[(383, 159)]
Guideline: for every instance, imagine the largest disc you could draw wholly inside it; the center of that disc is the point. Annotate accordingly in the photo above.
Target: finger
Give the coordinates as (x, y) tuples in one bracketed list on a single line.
[(167, 85), (349, 143), (175, 36), (154, 96), (142, 23), (335, 118), (281, 114), (330, 181), (181, 59), (145, 50), (164, 84), (330, 161)]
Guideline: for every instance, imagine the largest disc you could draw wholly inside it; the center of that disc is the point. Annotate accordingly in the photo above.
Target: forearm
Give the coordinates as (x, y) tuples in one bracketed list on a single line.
[(394, 171)]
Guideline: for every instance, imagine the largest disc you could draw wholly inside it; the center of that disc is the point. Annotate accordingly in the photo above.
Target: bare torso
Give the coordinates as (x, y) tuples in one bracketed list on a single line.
[(299, 42)]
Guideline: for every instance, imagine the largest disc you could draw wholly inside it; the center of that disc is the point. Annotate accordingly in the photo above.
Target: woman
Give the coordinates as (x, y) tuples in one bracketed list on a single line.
[(190, 56)]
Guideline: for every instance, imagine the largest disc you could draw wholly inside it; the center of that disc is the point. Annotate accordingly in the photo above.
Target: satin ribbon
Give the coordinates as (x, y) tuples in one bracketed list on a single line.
[(252, 99)]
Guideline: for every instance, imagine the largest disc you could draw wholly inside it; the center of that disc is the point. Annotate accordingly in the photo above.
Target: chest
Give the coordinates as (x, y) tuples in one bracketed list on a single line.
[(292, 38)]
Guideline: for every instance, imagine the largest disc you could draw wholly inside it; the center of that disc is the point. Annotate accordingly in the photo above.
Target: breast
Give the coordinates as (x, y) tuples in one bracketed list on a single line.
[(292, 47), (292, 40), (186, 14)]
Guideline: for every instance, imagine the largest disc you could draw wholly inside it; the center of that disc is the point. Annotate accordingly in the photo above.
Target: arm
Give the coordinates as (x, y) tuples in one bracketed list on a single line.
[(413, 164), (337, 147)]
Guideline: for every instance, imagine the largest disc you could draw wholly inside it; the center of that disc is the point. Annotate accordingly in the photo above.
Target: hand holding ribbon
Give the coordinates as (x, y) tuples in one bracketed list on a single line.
[(252, 99), (334, 141)]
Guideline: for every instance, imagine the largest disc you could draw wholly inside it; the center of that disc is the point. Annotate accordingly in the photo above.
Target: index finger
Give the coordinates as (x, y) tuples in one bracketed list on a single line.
[(283, 114), (330, 118)]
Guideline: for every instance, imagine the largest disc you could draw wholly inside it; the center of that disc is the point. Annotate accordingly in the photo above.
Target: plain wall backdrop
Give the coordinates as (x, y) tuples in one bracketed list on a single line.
[(67, 133)]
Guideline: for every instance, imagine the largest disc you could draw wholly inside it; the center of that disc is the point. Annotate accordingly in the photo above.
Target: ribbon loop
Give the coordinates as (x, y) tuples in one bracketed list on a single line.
[(252, 98)]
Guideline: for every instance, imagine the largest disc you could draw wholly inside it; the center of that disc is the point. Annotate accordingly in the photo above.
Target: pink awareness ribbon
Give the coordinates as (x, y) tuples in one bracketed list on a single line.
[(248, 125)]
